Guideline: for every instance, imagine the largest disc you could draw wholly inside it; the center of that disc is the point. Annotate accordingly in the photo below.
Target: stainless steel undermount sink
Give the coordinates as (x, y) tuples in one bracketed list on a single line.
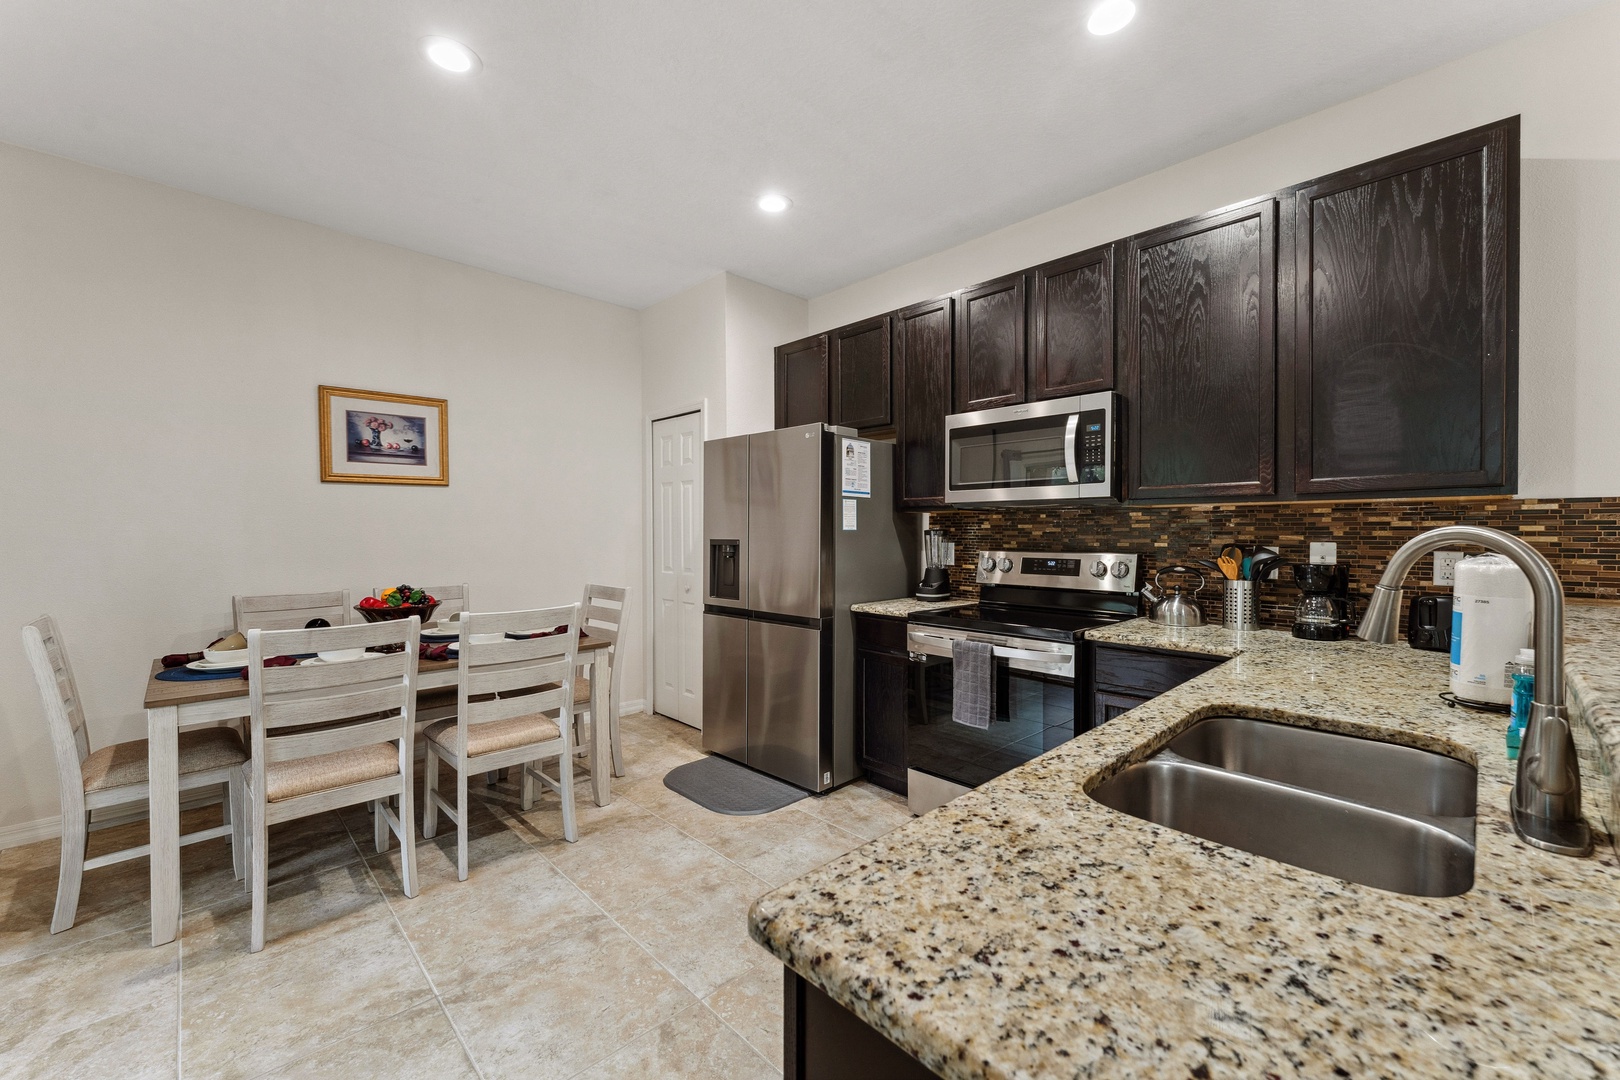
[(1371, 812)]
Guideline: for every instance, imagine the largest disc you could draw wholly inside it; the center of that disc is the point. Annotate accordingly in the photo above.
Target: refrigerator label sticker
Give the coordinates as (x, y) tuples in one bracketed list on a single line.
[(857, 459), (849, 514)]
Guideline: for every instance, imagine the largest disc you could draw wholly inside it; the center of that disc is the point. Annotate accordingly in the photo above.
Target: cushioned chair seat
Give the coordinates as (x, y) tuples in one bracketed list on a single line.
[(301, 776), (582, 690), (495, 735), (123, 764)]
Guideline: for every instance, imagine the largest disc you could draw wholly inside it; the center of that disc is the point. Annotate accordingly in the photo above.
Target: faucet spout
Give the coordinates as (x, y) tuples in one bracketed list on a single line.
[(1546, 801)]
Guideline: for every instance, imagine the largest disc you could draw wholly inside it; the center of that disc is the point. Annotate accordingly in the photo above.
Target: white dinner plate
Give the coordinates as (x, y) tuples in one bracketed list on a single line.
[(316, 661), (204, 665)]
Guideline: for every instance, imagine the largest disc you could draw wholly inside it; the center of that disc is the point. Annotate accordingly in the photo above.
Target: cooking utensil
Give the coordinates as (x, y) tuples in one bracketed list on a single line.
[(1262, 566), (1175, 608), (1230, 561)]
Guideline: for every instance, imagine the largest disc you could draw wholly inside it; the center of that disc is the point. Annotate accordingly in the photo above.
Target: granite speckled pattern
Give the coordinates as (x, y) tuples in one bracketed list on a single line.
[(907, 606), (1026, 930)]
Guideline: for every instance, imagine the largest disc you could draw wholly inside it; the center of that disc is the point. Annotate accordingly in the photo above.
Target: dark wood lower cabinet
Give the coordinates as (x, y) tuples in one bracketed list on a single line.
[(882, 681), (1121, 677), (822, 1040)]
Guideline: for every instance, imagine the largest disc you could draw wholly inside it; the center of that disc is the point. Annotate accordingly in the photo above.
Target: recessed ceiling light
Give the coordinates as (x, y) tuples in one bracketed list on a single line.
[(774, 203), (1110, 16), (451, 55)]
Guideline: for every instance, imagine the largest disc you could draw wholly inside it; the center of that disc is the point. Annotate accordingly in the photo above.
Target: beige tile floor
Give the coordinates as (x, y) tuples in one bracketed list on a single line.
[(623, 955)]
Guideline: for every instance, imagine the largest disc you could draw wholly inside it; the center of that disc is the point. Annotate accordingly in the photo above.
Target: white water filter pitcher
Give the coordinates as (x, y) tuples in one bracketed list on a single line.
[(1490, 622)]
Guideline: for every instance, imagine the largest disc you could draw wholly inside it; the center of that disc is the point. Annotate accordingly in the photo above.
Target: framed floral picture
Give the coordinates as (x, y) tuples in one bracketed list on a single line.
[(371, 437)]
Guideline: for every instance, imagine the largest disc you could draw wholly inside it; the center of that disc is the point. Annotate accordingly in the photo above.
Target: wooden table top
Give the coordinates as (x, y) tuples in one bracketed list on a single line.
[(161, 694)]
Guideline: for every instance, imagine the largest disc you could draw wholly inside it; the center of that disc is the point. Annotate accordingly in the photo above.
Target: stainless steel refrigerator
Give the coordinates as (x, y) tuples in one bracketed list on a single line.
[(788, 554)]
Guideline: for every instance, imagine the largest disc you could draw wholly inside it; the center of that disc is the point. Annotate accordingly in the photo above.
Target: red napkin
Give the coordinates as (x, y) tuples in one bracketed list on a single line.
[(434, 652), (180, 659), (276, 661)]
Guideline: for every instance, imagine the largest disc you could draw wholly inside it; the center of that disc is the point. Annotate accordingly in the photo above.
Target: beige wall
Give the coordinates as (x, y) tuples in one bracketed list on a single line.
[(1564, 81), (159, 354), (758, 319), (683, 346)]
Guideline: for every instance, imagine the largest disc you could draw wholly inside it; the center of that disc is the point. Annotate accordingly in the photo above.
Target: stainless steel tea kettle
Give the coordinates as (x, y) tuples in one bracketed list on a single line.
[(1175, 607)]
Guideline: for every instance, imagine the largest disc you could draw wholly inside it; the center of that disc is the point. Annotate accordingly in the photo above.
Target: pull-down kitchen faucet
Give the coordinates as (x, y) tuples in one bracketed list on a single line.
[(1546, 801)]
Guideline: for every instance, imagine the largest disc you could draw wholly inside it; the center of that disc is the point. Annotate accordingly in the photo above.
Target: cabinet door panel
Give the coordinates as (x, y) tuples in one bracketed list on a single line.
[(801, 382), (990, 344), (1071, 330), (922, 357), (858, 360), (1403, 368), (880, 686), (1201, 345)]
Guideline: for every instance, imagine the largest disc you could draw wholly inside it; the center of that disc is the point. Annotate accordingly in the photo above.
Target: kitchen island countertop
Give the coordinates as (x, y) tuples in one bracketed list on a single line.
[(1026, 930)]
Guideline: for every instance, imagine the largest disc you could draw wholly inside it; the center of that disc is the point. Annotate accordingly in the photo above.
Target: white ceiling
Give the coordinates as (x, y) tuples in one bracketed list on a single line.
[(615, 149)]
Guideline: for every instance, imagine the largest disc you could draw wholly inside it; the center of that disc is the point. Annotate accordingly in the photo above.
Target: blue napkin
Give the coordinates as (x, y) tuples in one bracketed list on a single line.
[(185, 674)]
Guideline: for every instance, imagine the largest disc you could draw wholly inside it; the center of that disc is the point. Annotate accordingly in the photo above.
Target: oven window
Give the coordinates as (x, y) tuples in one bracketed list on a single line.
[(1033, 714), (1016, 453)]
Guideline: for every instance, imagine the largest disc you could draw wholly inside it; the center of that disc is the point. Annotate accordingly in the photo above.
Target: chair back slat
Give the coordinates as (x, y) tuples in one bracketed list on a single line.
[(348, 694), (452, 598), (296, 641), (59, 693), (506, 664), (330, 740), (505, 708), (289, 611), (329, 707), (510, 677)]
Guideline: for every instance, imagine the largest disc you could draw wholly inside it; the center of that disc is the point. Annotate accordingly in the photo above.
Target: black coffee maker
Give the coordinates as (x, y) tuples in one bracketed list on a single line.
[(1323, 612)]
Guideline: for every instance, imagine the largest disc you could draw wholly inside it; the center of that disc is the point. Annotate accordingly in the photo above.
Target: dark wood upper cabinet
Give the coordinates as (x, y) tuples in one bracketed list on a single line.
[(922, 367), (991, 344), (858, 362), (1405, 356), (1071, 325), (1199, 336), (801, 382)]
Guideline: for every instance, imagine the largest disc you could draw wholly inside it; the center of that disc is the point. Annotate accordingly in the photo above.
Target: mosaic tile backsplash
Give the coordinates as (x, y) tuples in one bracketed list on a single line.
[(1580, 537)]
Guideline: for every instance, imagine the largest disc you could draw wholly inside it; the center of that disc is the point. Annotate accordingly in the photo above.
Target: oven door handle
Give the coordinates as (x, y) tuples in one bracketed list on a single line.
[(1069, 431), (1058, 656)]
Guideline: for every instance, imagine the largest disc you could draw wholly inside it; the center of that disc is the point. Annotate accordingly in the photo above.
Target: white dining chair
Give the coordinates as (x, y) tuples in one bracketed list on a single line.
[(116, 775), (523, 726), (602, 618), (329, 735), (289, 611)]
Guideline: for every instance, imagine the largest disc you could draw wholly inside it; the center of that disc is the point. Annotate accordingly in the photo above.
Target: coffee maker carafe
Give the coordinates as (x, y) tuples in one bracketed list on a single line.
[(1323, 612)]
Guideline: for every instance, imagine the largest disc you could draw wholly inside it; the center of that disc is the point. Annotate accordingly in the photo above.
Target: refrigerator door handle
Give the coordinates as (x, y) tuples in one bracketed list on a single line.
[(1069, 431)]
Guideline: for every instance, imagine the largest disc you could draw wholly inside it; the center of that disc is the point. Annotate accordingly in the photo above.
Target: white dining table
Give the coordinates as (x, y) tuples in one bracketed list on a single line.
[(172, 707)]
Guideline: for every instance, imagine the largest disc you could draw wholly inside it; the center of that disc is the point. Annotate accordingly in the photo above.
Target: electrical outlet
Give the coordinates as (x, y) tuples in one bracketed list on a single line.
[(1445, 567), (1324, 553)]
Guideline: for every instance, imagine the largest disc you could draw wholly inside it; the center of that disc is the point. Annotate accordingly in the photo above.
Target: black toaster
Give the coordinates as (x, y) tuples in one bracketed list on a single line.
[(1428, 622)]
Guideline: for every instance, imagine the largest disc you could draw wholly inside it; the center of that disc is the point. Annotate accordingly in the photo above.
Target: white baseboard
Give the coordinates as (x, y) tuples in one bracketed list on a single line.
[(30, 832), (49, 828), (630, 708)]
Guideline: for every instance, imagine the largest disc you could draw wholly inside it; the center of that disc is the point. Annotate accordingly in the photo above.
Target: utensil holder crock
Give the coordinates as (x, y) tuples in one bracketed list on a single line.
[(1241, 611)]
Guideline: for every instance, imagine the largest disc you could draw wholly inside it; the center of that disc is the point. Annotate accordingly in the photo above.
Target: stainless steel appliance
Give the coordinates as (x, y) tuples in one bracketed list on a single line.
[(788, 554), (1033, 608), (1039, 452)]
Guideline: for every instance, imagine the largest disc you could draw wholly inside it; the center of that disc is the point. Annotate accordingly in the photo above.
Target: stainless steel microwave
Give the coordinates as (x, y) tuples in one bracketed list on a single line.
[(1040, 452)]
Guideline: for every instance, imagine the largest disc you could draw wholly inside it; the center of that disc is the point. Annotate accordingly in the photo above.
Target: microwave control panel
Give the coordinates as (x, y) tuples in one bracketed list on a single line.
[(1092, 453)]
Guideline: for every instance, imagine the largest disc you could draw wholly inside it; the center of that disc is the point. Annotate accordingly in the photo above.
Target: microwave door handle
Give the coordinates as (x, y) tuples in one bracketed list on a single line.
[(1069, 431)]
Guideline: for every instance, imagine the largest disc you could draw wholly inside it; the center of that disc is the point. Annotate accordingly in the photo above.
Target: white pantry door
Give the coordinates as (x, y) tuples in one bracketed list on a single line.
[(677, 570)]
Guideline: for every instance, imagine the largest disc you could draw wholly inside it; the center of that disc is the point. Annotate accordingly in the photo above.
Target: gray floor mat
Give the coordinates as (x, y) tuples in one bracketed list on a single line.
[(725, 787)]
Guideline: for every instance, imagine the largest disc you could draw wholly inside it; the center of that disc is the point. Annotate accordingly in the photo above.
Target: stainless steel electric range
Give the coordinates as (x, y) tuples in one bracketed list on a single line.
[(1032, 610)]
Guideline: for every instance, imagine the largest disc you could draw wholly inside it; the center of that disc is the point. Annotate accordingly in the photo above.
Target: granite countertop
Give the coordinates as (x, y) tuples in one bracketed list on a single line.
[(1026, 930), (906, 606)]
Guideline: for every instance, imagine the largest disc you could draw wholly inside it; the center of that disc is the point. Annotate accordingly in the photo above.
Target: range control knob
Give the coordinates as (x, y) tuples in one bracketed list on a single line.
[(1005, 565), (987, 562), (1099, 569), (1121, 568)]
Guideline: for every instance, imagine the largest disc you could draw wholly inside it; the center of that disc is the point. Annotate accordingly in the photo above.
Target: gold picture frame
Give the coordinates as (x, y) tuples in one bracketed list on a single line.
[(383, 438)]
